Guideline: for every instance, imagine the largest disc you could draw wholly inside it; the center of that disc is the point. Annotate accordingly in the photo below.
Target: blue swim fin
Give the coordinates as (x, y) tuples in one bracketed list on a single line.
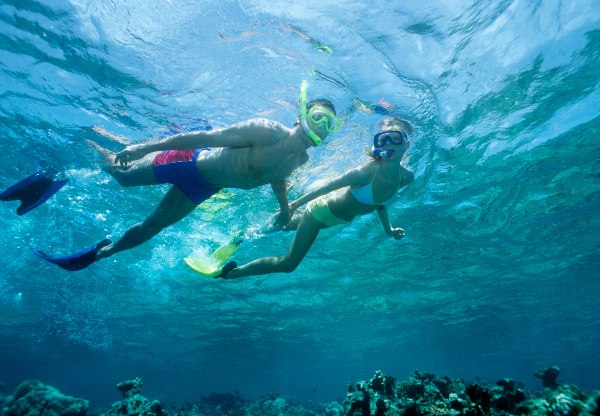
[(75, 261), (32, 191)]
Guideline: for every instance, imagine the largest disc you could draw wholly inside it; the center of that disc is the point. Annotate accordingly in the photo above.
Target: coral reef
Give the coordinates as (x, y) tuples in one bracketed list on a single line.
[(233, 405), (422, 394), (428, 394), (548, 376), (33, 398), (133, 403)]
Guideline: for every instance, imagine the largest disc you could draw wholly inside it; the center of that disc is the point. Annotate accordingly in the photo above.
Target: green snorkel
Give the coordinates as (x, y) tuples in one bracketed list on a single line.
[(303, 115), (313, 136), (318, 115)]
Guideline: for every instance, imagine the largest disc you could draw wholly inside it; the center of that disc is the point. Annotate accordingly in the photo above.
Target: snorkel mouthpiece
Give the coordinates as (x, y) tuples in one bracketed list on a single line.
[(384, 154)]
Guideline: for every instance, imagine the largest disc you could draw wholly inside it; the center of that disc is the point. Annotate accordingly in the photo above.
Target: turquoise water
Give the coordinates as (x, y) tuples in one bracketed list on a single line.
[(498, 273)]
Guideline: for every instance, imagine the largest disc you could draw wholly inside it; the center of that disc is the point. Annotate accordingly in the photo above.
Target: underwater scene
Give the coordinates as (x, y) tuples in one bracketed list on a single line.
[(486, 302)]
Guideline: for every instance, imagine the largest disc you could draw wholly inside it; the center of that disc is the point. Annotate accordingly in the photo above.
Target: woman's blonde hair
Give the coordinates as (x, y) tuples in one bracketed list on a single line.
[(397, 121)]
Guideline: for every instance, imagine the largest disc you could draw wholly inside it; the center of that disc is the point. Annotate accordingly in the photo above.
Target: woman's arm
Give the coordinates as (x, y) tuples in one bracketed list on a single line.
[(397, 233), (358, 176)]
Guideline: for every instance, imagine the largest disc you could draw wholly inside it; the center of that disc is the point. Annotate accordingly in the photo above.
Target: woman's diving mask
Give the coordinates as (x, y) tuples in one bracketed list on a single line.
[(395, 137), (385, 138), (318, 115)]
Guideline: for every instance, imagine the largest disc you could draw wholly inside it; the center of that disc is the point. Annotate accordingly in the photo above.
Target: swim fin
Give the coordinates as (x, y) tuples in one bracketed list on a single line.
[(32, 191), (212, 266), (223, 253), (75, 261)]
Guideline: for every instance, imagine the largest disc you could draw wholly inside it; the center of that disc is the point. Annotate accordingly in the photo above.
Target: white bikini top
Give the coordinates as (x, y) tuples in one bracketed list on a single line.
[(364, 194)]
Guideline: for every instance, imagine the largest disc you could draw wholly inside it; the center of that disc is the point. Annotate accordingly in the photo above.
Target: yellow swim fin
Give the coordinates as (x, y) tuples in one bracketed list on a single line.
[(211, 266)]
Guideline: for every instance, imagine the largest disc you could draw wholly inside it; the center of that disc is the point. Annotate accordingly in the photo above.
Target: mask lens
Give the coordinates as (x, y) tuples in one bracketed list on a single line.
[(396, 137)]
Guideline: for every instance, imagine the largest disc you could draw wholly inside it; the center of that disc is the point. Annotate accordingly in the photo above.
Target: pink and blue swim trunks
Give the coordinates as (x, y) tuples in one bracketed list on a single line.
[(178, 167)]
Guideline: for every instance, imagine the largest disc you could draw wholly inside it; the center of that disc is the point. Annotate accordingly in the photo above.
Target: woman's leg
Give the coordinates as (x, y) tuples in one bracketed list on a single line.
[(308, 230), (173, 207)]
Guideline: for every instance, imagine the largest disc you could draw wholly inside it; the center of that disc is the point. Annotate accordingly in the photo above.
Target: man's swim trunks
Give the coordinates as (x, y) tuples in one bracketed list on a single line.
[(178, 167), (321, 212)]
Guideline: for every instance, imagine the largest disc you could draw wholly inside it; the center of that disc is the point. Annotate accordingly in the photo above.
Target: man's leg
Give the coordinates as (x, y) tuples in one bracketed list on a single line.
[(173, 207), (119, 139), (138, 173)]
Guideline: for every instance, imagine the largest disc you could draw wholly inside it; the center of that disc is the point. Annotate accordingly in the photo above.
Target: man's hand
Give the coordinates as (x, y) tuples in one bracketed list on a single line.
[(281, 219), (397, 233), (129, 154)]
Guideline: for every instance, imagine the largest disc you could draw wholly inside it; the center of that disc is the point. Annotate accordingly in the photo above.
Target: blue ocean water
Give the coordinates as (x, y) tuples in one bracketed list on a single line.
[(498, 274)]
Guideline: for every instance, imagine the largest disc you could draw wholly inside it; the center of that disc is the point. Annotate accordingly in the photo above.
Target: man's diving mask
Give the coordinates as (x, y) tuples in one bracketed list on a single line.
[(318, 115)]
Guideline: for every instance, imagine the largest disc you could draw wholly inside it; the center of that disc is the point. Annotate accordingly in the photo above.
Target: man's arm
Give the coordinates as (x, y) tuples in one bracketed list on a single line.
[(285, 214), (182, 141), (246, 134), (397, 233)]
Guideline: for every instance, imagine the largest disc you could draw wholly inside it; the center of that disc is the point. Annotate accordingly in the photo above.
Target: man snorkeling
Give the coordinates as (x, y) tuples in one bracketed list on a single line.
[(198, 164)]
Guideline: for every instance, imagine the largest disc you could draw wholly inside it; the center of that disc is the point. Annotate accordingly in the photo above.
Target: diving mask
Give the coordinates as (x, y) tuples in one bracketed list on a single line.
[(317, 115), (395, 137)]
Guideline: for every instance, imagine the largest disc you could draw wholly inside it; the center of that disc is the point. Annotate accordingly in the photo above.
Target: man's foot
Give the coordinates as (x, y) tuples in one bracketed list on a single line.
[(76, 261), (105, 251), (226, 269), (32, 191), (108, 157), (118, 139)]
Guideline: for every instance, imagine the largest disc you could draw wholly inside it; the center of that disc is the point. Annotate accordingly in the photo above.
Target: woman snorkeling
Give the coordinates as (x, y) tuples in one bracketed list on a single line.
[(371, 186)]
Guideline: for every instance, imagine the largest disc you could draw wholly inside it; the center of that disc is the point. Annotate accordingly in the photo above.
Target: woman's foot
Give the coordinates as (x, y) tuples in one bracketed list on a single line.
[(226, 269)]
